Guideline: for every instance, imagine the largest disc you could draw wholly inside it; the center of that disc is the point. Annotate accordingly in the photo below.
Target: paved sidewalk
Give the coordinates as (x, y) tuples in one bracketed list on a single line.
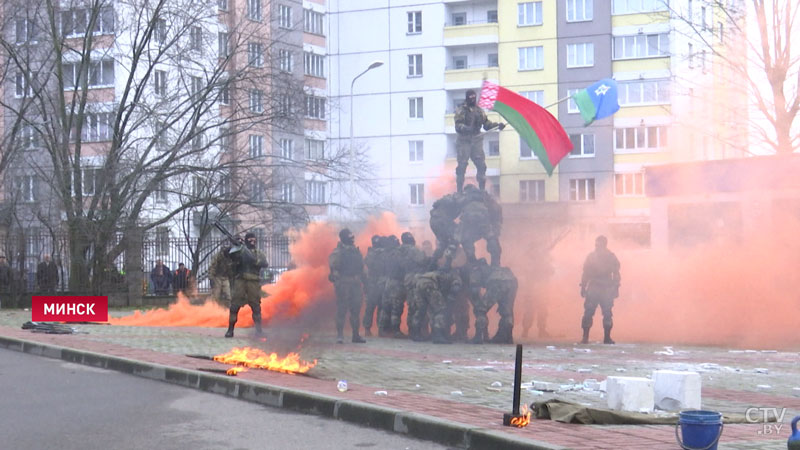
[(439, 392)]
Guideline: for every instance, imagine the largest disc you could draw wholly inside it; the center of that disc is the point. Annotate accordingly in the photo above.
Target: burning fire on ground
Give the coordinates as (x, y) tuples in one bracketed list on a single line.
[(259, 359), (524, 418)]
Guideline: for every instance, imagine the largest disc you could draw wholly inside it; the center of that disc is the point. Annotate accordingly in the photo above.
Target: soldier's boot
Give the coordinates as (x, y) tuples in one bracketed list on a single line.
[(358, 339), (439, 337), (233, 316), (257, 323), (481, 334), (460, 182), (414, 334), (585, 339), (607, 336), (340, 334), (482, 184)]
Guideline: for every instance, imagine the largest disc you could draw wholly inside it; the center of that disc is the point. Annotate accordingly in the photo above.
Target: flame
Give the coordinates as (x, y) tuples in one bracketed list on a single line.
[(524, 418), (258, 359), (233, 371)]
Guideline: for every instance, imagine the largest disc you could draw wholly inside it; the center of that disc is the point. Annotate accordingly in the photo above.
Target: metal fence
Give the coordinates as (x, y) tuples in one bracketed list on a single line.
[(24, 252)]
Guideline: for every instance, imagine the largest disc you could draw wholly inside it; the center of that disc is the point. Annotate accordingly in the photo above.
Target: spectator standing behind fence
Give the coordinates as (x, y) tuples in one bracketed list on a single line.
[(180, 282), (47, 275), (161, 278)]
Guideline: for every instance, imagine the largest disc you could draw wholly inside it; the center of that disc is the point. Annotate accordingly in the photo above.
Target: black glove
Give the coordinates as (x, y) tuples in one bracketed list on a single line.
[(501, 127)]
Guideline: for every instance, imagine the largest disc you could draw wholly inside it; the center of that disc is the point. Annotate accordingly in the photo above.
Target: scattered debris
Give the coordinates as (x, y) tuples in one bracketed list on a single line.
[(621, 369), (709, 366), (551, 347), (48, 328), (493, 389), (535, 392), (584, 370), (763, 386), (582, 350), (497, 384), (591, 384), (667, 351), (381, 393), (769, 351), (447, 361), (761, 370), (456, 393)]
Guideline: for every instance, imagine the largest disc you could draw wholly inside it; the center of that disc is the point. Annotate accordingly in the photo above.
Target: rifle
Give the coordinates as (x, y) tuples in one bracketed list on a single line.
[(238, 245)]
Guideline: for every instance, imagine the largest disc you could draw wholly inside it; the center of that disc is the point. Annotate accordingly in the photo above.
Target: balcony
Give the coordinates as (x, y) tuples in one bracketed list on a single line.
[(471, 34), (470, 77)]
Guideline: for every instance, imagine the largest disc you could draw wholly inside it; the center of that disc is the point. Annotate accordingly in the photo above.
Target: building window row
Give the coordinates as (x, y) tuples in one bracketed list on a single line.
[(285, 60), (531, 58), (287, 192), (101, 74), (287, 149), (582, 144), (531, 190), (256, 142), (534, 96), (638, 6), (417, 193), (643, 92), (529, 13), (285, 16), (580, 10), (315, 149), (315, 192), (581, 189), (75, 22), (641, 46), (315, 107), (97, 127), (414, 65), (580, 55), (255, 54), (313, 22), (640, 138), (314, 64), (629, 184), (254, 10), (415, 108), (414, 22), (415, 151)]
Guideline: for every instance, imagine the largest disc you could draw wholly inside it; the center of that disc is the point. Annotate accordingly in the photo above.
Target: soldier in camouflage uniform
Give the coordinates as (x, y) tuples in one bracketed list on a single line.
[(443, 224), (500, 288), (458, 306), (393, 288), (347, 274), (469, 119), (221, 272), (599, 286), (375, 281), (412, 262), (481, 218), (434, 289), (247, 263)]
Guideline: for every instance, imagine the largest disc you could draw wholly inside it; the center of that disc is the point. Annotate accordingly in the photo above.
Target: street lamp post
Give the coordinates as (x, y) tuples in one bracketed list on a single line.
[(374, 65)]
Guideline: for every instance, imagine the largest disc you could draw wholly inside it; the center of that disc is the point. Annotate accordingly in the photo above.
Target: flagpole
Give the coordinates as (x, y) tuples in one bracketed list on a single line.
[(559, 101)]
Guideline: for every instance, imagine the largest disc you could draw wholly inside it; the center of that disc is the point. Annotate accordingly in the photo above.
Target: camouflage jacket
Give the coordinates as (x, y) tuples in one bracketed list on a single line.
[(470, 119), (345, 262), (222, 265), (600, 271)]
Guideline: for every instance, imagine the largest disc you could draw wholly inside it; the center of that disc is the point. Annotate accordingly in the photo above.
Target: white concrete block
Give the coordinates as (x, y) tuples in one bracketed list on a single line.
[(630, 394), (676, 390), (546, 386)]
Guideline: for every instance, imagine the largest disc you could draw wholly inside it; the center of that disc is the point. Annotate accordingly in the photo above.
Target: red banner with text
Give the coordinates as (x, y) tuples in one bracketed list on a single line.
[(59, 308)]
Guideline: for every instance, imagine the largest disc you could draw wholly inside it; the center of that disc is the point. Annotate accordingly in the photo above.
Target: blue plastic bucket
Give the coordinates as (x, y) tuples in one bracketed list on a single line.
[(699, 430)]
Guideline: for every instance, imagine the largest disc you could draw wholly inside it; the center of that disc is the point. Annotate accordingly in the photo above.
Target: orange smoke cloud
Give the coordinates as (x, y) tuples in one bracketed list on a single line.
[(382, 225), (444, 182), (179, 314)]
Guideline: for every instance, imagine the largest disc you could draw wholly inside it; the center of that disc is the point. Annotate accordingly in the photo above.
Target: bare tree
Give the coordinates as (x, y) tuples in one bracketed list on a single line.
[(140, 112)]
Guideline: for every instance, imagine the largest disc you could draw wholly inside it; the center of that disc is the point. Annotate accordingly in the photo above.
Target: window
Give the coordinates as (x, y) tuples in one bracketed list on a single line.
[(285, 16), (417, 193), (529, 13), (531, 190), (29, 138), (494, 185), (287, 192), (101, 74), (629, 184), (255, 54), (225, 93), (285, 60), (703, 23), (90, 176), (315, 149), (313, 22), (579, 10), (27, 185), (640, 138), (75, 22), (414, 22), (257, 192), (459, 19), (315, 107), (160, 31), (285, 105), (97, 127), (493, 147), (460, 62), (641, 46), (254, 10), (415, 108), (582, 144), (195, 86), (580, 55), (414, 65), (531, 58), (25, 31), (198, 185), (572, 107), (643, 92), (287, 149), (196, 39), (525, 152), (256, 142), (581, 189), (492, 60), (223, 44), (314, 65), (315, 192), (161, 191), (198, 141), (256, 104), (222, 5), (22, 86), (415, 151), (638, 6), (534, 96), (491, 16), (161, 136)]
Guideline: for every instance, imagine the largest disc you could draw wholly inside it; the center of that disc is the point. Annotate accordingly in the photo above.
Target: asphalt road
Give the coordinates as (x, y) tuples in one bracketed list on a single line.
[(47, 403)]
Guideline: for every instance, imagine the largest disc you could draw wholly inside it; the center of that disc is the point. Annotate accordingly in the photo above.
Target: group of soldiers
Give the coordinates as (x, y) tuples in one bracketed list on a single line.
[(435, 291)]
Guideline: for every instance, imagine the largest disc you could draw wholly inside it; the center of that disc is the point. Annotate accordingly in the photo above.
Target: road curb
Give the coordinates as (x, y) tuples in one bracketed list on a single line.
[(415, 425)]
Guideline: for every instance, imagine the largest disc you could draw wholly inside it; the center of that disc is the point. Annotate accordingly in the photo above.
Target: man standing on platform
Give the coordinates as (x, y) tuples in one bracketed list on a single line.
[(470, 118)]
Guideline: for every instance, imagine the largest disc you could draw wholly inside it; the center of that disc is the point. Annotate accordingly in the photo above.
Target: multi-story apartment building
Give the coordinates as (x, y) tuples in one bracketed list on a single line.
[(545, 51)]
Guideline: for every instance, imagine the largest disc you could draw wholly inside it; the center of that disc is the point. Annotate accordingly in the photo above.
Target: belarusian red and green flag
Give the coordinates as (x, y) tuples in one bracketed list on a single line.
[(537, 127)]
